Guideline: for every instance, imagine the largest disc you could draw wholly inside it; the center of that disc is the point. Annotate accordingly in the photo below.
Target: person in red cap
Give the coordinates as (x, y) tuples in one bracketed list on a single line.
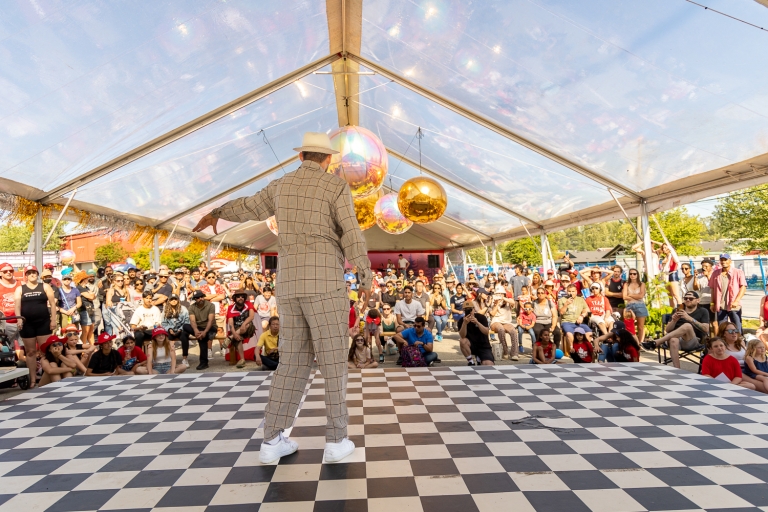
[(161, 357), (8, 285), (54, 282), (56, 362), (34, 301), (106, 361)]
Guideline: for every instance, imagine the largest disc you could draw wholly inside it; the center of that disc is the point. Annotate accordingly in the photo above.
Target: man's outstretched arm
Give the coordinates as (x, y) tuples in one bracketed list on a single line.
[(259, 206)]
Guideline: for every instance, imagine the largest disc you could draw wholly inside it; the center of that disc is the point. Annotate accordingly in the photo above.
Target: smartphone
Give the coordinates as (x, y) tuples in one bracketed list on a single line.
[(680, 307)]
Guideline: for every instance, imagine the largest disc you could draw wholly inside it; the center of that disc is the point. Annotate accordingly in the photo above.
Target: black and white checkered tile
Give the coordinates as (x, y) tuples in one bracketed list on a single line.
[(607, 438)]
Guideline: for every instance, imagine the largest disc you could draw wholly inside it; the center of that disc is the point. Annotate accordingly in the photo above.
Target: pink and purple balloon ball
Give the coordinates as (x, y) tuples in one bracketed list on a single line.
[(362, 160), (67, 257), (388, 216)]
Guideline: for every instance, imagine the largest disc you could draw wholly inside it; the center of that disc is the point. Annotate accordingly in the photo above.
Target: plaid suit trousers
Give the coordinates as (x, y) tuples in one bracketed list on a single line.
[(315, 326)]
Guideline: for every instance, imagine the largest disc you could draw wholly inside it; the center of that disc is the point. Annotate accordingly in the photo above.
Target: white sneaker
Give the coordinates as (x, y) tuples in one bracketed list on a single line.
[(210, 354), (269, 453), (184, 362), (334, 452)]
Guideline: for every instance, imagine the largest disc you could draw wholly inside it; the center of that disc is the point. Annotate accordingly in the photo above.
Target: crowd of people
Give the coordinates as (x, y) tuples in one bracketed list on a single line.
[(70, 326), (590, 315)]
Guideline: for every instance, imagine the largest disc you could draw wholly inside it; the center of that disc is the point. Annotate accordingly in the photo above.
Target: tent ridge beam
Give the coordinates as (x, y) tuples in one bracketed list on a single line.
[(494, 126), (225, 193), (192, 126), (464, 189)]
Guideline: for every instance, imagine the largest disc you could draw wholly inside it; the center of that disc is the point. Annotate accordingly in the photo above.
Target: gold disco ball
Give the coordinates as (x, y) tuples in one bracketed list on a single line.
[(389, 218), (361, 160), (364, 210), (272, 225), (422, 200)]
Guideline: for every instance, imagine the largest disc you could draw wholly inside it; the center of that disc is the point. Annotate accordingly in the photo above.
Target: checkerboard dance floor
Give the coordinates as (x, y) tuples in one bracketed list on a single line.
[(603, 438)]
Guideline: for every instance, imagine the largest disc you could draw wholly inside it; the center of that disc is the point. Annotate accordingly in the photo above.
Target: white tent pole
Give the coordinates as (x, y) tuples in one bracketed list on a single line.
[(37, 237), (551, 255), (169, 237), (647, 247), (530, 236), (624, 212), (544, 257), (220, 242), (156, 252), (58, 219)]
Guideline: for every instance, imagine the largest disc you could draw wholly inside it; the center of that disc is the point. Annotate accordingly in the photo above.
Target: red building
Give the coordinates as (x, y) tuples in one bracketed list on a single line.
[(85, 243)]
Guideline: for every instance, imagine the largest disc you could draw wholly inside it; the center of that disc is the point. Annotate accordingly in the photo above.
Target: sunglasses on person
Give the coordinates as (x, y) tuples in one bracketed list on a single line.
[(57, 344), (689, 298), (72, 335), (6, 271), (386, 309), (633, 273), (118, 280), (731, 331)]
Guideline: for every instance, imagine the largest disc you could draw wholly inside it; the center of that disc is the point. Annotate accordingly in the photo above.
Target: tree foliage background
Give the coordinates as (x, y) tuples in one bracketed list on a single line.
[(15, 237), (743, 217), (110, 253), (173, 259)]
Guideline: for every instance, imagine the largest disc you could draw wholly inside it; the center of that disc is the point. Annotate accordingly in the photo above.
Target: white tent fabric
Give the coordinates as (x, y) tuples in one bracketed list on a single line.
[(534, 112)]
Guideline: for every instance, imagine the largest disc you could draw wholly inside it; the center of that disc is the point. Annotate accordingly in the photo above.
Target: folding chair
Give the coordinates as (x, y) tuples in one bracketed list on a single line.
[(694, 355)]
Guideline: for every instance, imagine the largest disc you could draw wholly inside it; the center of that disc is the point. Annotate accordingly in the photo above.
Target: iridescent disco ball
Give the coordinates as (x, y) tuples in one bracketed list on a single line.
[(272, 225), (389, 218), (362, 160), (422, 200), (364, 210), (67, 257)]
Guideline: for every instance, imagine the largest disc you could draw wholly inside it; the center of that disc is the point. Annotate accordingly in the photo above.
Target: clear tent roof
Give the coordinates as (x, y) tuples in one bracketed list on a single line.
[(531, 110)]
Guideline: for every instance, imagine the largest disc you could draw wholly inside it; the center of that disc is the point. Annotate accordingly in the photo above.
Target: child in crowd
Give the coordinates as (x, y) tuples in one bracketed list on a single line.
[(56, 363), (134, 359), (582, 349), (628, 349), (722, 366), (373, 330), (756, 364), (360, 354), (161, 356), (544, 349), (525, 321), (525, 296), (629, 321)]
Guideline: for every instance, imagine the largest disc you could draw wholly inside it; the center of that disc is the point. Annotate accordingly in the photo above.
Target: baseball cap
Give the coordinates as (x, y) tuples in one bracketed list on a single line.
[(618, 325), (695, 294), (104, 338), (48, 265), (725, 256), (581, 329), (90, 272), (46, 273), (5, 266), (549, 282), (198, 294), (163, 273), (550, 272), (157, 331), (30, 268)]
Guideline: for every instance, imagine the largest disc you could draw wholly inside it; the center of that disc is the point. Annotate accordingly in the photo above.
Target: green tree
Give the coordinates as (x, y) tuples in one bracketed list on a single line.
[(521, 250), (684, 231), (110, 253), (743, 216), (15, 237), (173, 259)]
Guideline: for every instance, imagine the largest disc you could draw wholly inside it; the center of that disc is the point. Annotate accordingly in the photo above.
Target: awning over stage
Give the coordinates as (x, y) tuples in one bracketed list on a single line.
[(534, 112)]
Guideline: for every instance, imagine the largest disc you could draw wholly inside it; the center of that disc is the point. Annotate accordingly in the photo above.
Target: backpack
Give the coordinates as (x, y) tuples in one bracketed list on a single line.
[(412, 357)]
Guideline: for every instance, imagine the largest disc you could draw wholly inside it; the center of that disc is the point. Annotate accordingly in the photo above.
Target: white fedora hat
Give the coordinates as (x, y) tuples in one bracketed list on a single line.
[(316, 142)]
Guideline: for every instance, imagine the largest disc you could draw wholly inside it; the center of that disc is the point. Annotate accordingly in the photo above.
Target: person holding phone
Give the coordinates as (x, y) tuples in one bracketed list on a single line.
[(473, 337)]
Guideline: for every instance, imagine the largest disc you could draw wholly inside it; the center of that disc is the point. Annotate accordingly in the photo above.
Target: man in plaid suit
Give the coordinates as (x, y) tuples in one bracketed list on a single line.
[(317, 231)]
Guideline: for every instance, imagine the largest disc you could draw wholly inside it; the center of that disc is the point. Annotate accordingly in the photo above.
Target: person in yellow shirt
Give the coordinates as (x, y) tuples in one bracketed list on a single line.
[(352, 294), (269, 340)]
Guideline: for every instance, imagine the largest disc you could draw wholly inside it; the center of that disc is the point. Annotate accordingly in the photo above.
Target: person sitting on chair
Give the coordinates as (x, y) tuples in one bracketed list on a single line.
[(685, 330)]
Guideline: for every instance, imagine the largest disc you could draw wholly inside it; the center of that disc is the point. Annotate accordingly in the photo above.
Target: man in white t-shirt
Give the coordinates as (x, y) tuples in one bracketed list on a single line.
[(145, 318), (402, 264), (407, 310)]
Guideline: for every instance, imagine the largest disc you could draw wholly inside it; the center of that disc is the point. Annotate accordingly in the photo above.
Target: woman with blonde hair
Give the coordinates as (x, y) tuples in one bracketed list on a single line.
[(756, 363)]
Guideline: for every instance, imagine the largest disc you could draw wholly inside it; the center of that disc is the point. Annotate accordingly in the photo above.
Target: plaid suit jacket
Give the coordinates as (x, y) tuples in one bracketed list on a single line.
[(317, 228)]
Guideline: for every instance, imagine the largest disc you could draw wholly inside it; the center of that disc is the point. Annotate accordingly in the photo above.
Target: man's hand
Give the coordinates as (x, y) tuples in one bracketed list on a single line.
[(735, 305), (206, 221), (712, 308)]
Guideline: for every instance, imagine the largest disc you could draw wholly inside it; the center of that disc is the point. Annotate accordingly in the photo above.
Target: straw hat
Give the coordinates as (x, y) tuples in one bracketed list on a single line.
[(316, 142)]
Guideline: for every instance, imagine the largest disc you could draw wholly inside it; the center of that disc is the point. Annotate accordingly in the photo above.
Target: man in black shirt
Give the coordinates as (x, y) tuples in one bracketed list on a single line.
[(106, 361), (614, 289), (685, 330), (473, 336)]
